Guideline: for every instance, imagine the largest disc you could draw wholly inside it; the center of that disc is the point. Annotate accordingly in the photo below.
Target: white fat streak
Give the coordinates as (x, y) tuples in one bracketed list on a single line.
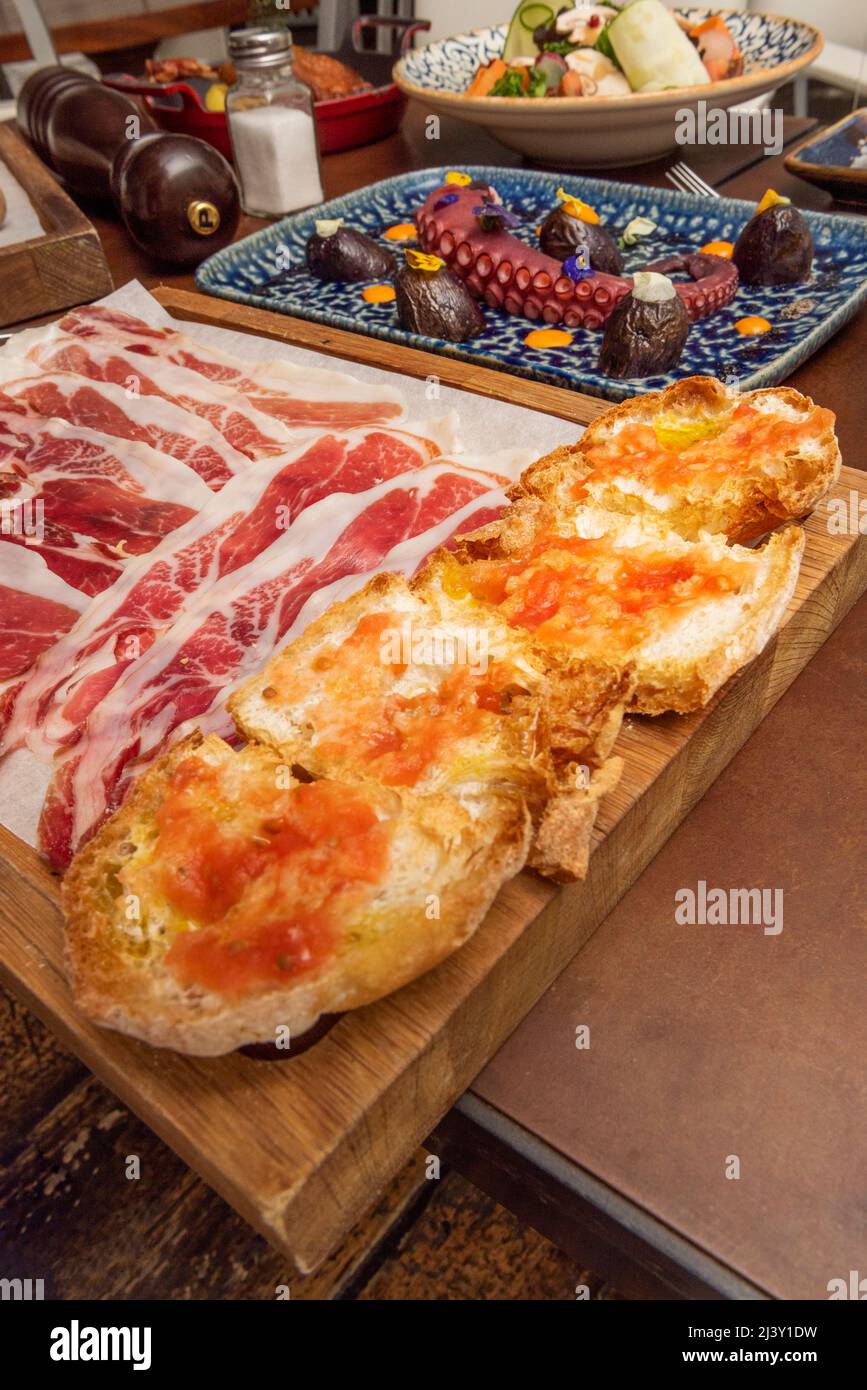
[(272, 376), (25, 570), (150, 471), (142, 410), (310, 536)]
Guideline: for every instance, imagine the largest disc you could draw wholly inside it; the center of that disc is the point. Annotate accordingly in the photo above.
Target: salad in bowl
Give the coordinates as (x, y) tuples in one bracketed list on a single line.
[(606, 50), (590, 85)]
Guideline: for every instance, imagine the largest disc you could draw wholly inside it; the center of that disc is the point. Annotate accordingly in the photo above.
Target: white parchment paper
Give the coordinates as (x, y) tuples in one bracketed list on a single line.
[(486, 426)]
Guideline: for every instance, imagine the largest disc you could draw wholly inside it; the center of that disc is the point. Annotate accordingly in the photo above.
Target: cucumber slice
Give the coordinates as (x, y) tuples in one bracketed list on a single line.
[(519, 40)]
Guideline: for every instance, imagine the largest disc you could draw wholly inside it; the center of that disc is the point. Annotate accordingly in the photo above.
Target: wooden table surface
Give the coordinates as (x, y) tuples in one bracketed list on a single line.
[(708, 1044)]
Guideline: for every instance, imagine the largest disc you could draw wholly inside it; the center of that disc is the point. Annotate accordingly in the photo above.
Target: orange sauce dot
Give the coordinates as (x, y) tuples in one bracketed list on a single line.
[(719, 248), (548, 338), (378, 294), (401, 231), (752, 324)]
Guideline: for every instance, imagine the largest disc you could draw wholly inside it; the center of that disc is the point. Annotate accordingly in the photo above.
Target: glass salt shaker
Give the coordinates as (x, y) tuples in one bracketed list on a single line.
[(272, 126)]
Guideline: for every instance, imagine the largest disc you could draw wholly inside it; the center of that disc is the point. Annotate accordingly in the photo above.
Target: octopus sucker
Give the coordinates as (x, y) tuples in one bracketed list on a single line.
[(490, 255)]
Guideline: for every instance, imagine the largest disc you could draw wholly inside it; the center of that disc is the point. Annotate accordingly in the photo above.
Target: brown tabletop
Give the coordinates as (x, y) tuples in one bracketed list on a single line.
[(708, 1044)]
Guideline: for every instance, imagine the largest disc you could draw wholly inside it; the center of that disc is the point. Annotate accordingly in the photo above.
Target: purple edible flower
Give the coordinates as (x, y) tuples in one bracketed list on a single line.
[(576, 266), (494, 217), (445, 201)]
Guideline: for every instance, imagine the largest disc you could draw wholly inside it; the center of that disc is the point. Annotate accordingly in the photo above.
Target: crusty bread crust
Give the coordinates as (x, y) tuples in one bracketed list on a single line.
[(747, 505), (474, 853)]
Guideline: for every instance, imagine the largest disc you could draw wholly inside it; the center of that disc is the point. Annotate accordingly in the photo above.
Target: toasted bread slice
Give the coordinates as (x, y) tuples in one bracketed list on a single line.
[(682, 615), (699, 456), (225, 900), (414, 689)]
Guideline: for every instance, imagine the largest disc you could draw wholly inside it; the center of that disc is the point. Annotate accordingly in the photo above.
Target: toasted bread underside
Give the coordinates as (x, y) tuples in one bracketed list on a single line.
[(688, 645), (442, 866), (746, 491)]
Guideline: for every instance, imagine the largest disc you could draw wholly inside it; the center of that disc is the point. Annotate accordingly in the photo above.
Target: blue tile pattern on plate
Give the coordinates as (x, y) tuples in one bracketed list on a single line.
[(764, 40), (267, 270), (842, 147)]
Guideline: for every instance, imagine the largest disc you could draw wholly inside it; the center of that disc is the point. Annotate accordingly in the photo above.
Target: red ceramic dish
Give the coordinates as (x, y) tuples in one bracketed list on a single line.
[(342, 123)]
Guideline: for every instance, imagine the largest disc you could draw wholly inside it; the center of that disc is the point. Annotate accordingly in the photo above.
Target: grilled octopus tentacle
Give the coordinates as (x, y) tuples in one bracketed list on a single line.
[(508, 274)]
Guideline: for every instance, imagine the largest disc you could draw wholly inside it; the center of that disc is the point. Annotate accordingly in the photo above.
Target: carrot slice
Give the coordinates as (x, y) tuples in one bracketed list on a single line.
[(486, 78)]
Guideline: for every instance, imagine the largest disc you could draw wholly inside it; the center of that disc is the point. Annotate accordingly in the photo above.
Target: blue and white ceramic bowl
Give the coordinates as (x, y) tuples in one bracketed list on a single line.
[(268, 270), (596, 132)]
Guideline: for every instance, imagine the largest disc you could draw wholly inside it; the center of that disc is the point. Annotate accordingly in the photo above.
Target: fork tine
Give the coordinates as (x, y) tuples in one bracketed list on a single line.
[(697, 183), (691, 180), (709, 190), (674, 177)]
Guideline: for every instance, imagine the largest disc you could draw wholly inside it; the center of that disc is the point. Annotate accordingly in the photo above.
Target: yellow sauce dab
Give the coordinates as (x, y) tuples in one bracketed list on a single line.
[(719, 248), (401, 231), (548, 338), (378, 294), (674, 433), (752, 324)]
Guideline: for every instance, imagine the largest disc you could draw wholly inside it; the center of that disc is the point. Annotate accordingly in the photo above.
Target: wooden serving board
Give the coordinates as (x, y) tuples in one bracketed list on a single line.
[(303, 1145), (67, 264)]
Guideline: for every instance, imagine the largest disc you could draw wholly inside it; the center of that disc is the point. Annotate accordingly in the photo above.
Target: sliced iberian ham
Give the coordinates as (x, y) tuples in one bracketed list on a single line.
[(226, 631), (233, 416), (35, 608), (296, 395), (83, 503), (122, 414), (256, 509)]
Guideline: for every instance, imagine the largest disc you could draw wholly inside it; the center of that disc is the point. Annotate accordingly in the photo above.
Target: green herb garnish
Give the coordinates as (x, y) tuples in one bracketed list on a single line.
[(511, 84)]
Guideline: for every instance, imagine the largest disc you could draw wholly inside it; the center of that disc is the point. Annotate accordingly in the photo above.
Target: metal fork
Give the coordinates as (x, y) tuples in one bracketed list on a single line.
[(688, 181)]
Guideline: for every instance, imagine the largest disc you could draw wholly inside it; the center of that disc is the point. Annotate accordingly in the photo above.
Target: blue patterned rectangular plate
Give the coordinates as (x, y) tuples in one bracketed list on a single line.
[(267, 270)]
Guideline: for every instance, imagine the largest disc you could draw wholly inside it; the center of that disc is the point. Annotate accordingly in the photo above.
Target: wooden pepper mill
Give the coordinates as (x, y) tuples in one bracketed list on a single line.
[(178, 197)]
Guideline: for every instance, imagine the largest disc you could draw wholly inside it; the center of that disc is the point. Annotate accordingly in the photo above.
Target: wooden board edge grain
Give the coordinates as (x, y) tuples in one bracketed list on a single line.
[(64, 266), (375, 352)]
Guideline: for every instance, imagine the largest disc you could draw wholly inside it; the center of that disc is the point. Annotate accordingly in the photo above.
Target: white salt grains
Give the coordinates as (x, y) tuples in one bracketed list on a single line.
[(276, 158)]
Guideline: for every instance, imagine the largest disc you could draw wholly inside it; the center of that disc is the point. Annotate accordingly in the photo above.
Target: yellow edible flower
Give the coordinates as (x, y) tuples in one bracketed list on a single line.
[(574, 207), (422, 260), (770, 200)]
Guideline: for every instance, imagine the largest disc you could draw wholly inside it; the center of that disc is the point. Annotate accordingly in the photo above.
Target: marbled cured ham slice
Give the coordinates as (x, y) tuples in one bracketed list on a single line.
[(232, 415), (297, 395), (35, 609), (121, 414), (84, 504)]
